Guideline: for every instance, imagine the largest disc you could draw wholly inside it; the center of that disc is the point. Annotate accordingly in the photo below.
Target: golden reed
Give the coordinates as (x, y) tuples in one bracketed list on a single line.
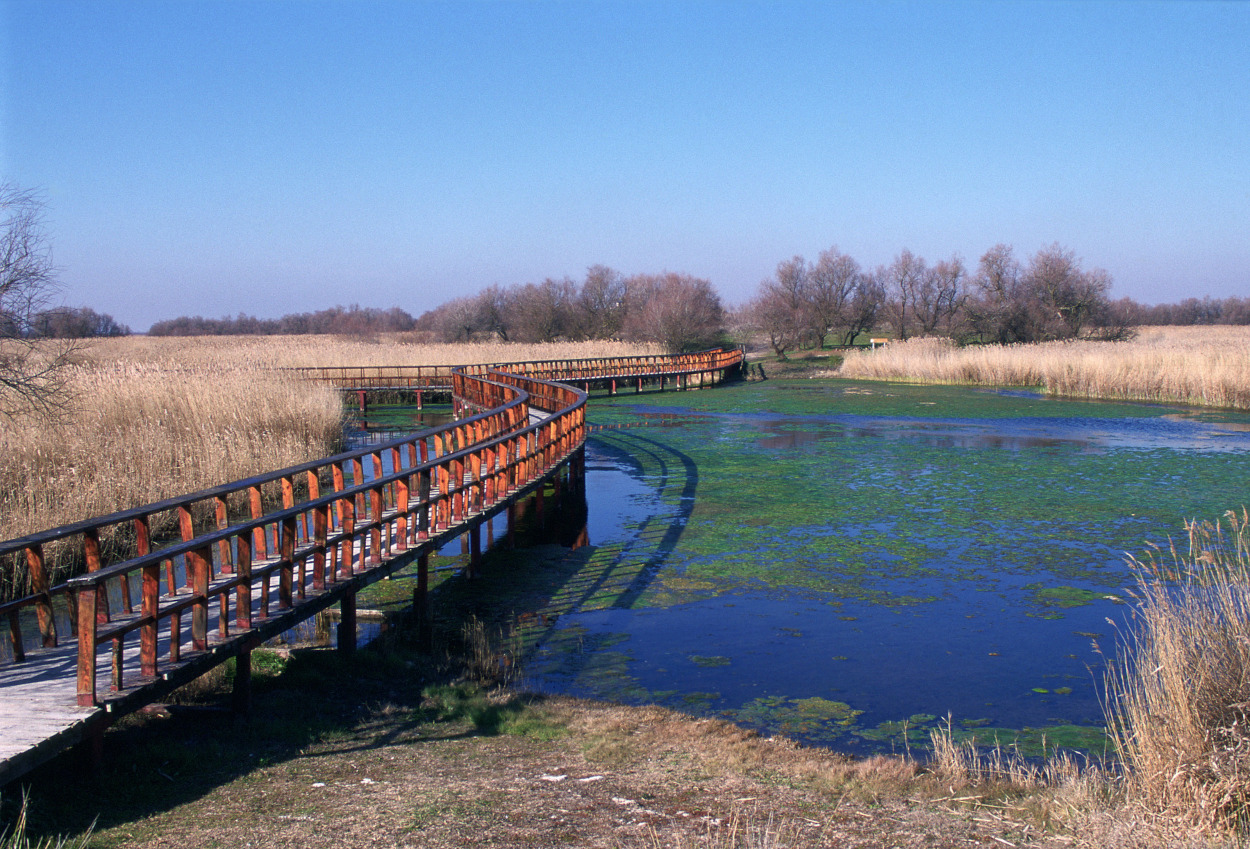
[(1203, 366)]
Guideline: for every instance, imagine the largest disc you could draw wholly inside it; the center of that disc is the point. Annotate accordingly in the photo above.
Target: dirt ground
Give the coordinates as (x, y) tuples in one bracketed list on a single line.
[(388, 748), (576, 774)]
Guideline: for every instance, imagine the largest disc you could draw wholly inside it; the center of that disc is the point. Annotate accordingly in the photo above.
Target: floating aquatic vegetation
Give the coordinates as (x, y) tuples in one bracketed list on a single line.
[(931, 546), (813, 718)]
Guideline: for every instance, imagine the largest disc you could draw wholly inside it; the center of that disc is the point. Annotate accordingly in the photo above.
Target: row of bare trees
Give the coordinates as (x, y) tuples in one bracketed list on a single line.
[(1052, 297), (347, 321), (1208, 310), (678, 311), (75, 323)]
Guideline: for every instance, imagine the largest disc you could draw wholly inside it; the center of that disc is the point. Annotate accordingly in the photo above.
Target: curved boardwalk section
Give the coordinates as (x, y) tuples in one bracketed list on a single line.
[(249, 560)]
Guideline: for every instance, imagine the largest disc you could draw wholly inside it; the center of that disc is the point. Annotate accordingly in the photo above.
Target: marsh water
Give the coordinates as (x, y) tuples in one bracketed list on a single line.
[(852, 563)]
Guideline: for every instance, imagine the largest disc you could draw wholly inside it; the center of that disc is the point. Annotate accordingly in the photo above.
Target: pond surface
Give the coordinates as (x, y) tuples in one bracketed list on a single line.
[(852, 562)]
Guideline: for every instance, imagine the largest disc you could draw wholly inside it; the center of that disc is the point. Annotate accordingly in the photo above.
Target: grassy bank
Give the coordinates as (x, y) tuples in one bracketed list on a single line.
[(393, 748), (1204, 366)]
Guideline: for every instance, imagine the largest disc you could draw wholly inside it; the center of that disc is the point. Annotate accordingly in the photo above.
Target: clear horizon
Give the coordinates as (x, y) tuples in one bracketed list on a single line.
[(211, 158)]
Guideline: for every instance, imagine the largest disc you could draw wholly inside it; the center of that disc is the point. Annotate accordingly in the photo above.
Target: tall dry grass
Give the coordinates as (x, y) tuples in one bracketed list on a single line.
[(1204, 366), (381, 349), (134, 433), (1180, 696)]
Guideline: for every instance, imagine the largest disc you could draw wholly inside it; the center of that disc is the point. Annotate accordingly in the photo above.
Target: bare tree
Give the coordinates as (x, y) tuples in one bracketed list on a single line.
[(1070, 297), (681, 312), (494, 305), (32, 371), (902, 279), (833, 282), (602, 303), (75, 323), (545, 312), (1001, 308), (776, 319), (939, 296), (782, 308), (864, 309)]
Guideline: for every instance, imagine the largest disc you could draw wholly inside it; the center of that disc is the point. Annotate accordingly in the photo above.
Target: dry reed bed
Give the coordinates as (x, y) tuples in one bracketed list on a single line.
[(383, 349), (138, 434), (1205, 366), (1180, 697)]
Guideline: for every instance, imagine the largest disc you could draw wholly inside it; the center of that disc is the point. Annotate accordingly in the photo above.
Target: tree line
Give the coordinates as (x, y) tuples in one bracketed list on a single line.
[(1051, 296), (678, 311), (345, 321), (67, 323)]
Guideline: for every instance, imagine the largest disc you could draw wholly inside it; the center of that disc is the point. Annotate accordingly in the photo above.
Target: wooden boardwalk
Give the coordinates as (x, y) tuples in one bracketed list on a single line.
[(253, 559)]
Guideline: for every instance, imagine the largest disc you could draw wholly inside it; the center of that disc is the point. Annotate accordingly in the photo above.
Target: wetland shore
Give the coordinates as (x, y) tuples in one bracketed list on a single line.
[(419, 752)]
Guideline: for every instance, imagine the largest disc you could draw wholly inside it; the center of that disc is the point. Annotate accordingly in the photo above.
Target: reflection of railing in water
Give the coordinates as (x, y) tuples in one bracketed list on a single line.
[(255, 557)]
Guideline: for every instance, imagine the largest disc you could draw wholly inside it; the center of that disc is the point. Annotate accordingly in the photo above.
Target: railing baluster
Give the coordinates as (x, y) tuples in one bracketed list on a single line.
[(87, 628), (41, 588)]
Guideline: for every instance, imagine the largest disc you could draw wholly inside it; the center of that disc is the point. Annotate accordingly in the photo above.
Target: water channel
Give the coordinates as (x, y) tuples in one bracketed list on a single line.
[(851, 563)]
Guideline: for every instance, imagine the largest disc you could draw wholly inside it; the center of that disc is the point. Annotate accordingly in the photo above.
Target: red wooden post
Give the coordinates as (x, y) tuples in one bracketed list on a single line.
[(185, 526), (358, 477), (91, 552), (40, 586), (339, 483), (347, 561), (286, 570), (423, 504), (86, 645), (223, 547), (321, 521), (375, 533), (402, 507), (151, 574), (260, 548), (243, 593), (475, 482), (15, 638), (199, 564), (457, 500)]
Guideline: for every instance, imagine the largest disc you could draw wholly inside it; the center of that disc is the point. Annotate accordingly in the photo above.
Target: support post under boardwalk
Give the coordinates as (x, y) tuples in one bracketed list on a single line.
[(347, 623), (421, 606), (241, 698), (475, 551)]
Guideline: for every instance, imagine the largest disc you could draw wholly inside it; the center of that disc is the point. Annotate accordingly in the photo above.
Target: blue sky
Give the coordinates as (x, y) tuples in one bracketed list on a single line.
[(212, 158)]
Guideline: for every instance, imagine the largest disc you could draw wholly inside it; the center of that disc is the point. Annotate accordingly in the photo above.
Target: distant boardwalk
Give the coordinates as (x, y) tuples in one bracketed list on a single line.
[(246, 561)]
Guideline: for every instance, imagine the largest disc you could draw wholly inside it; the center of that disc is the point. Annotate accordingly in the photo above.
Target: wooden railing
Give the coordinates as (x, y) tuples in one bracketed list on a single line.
[(250, 551), (379, 377)]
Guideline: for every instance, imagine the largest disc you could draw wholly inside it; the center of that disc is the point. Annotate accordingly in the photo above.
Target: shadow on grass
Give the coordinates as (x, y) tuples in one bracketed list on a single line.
[(388, 693)]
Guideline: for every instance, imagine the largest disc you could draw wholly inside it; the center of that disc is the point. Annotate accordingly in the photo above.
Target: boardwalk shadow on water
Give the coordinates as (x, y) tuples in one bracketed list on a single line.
[(560, 568)]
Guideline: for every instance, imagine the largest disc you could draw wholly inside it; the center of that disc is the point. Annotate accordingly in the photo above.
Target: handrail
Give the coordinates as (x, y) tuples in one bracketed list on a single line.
[(390, 377), (439, 480)]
